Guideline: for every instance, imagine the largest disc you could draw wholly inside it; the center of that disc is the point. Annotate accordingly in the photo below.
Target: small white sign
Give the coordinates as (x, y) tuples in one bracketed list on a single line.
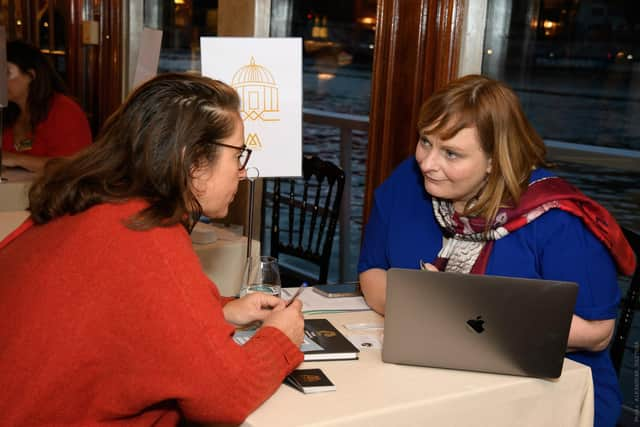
[(148, 56), (267, 74)]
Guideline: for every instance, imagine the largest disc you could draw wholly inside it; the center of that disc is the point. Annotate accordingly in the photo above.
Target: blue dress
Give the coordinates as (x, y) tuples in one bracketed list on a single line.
[(402, 230)]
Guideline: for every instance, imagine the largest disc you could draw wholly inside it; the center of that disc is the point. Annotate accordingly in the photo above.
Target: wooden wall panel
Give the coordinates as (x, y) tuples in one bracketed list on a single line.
[(110, 59), (417, 47), (74, 48)]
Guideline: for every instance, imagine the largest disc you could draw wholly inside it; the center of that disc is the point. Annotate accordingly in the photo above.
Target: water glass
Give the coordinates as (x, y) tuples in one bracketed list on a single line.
[(261, 274)]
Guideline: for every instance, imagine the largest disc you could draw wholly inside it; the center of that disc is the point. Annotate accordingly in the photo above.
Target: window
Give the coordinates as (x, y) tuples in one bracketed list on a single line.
[(338, 40), (183, 23), (578, 79), (575, 66)]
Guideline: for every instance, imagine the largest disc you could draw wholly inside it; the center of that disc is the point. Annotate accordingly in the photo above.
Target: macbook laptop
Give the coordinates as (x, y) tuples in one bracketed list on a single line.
[(476, 322)]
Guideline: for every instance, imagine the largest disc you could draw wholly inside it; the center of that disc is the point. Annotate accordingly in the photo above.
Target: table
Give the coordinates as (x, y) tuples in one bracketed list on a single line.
[(10, 220), (372, 393), (13, 191), (222, 261)]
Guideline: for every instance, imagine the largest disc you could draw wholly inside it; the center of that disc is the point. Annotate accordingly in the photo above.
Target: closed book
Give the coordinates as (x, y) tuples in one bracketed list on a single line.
[(333, 345), (310, 381)]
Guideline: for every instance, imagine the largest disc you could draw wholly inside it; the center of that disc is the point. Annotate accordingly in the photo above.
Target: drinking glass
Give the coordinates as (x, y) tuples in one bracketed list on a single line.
[(261, 274)]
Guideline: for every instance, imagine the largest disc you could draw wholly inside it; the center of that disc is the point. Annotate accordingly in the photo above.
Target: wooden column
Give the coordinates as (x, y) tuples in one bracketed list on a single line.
[(111, 56), (245, 18), (74, 48), (416, 51)]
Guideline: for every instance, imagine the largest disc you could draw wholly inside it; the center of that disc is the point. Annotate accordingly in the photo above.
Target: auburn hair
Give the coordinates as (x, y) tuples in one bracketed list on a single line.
[(148, 149), (506, 136)]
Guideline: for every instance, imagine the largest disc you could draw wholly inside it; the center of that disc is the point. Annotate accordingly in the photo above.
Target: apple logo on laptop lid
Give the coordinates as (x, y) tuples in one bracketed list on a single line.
[(476, 324)]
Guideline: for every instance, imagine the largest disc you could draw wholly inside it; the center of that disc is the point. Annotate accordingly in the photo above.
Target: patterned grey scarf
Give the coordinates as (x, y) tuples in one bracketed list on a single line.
[(463, 240)]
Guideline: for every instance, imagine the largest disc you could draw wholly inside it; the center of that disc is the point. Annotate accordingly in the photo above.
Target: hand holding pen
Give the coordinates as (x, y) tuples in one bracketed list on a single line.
[(290, 321), (298, 292)]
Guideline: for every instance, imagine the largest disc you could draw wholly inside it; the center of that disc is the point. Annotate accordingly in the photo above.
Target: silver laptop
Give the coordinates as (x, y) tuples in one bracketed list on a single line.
[(476, 322)]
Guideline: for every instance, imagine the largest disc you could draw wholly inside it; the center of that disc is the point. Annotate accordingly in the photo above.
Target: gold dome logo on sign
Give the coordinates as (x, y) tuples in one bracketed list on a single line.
[(258, 92), (253, 142)]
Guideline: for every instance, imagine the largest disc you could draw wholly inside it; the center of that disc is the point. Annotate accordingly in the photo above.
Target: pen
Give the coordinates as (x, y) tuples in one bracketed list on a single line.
[(298, 292)]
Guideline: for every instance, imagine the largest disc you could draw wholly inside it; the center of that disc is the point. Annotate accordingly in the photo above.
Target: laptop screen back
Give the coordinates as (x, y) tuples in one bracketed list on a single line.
[(477, 322)]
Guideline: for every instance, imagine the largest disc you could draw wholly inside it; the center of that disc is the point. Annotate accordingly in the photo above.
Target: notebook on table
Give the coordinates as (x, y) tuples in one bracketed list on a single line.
[(477, 322), (322, 341)]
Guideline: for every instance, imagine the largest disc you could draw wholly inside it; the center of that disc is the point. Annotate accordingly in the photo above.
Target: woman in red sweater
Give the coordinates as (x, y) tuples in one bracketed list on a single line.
[(107, 316), (41, 121)]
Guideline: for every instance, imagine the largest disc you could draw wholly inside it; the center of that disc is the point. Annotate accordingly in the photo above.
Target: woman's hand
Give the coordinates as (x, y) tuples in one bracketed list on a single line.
[(428, 266), (251, 307), (289, 320)]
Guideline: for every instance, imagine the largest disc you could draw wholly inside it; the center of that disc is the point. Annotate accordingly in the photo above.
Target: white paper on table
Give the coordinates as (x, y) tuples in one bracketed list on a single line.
[(363, 326), (313, 301), (267, 74), (241, 337), (364, 342)]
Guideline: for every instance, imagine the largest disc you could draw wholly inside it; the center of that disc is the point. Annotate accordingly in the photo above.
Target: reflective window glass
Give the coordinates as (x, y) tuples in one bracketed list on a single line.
[(183, 23), (575, 65), (576, 68), (338, 40)]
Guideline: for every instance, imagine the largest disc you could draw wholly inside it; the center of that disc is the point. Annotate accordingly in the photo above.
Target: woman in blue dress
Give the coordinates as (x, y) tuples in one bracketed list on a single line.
[(476, 199)]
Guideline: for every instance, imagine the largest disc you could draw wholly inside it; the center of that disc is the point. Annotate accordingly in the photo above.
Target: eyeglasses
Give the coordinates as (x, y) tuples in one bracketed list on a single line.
[(243, 158)]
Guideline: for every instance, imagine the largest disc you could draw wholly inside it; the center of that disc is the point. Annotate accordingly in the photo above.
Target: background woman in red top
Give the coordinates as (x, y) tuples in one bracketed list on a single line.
[(41, 121), (107, 318)]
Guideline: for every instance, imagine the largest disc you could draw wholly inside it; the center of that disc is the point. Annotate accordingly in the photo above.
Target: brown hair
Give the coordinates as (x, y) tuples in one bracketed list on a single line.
[(45, 84), (148, 149), (506, 136)]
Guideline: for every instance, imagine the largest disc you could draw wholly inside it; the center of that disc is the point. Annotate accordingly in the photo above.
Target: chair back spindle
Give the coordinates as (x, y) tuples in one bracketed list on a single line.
[(312, 207), (628, 305)]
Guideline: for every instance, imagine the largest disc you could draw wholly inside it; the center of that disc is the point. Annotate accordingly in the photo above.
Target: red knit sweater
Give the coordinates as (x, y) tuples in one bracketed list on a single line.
[(102, 325)]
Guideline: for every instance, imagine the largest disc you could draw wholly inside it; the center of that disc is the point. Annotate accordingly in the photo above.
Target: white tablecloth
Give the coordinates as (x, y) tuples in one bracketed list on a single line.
[(14, 188), (372, 393), (10, 220), (223, 262)]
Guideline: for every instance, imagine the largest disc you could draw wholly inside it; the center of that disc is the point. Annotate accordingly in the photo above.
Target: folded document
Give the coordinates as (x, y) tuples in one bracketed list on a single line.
[(314, 302)]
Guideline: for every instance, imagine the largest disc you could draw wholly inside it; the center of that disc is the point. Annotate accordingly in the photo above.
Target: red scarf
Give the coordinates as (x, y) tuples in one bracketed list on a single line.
[(541, 196)]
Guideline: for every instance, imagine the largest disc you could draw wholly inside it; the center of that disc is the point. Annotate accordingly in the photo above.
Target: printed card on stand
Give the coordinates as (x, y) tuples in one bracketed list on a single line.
[(267, 74)]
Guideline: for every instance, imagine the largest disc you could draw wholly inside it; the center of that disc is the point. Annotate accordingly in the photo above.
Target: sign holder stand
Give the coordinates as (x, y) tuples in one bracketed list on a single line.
[(252, 174)]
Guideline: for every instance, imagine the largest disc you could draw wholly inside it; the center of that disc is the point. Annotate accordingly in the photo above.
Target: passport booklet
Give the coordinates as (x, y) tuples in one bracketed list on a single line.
[(309, 381)]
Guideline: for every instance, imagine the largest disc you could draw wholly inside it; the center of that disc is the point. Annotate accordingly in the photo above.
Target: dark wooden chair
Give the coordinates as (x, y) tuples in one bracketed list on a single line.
[(627, 306), (304, 216)]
